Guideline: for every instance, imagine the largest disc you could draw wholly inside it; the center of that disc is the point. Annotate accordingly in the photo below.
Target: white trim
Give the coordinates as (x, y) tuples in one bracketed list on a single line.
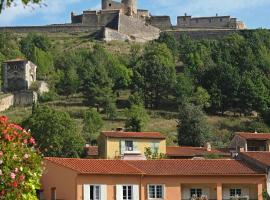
[(163, 191)]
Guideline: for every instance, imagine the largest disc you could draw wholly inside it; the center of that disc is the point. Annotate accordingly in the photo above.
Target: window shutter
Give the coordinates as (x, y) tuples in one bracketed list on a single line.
[(122, 147), (135, 191), (86, 192), (164, 191), (119, 192), (226, 193), (206, 192), (135, 146), (186, 193), (268, 182), (103, 192), (245, 192), (157, 146)]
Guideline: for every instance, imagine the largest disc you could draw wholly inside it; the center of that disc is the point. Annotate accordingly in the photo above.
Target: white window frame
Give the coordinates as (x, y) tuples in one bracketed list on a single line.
[(127, 147), (132, 195), (155, 185), (235, 189), (94, 188)]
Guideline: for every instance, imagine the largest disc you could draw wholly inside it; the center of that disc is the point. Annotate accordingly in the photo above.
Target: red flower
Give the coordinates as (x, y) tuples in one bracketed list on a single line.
[(2, 193), (15, 126), (32, 141), (22, 177), (14, 184), (8, 137), (3, 119)]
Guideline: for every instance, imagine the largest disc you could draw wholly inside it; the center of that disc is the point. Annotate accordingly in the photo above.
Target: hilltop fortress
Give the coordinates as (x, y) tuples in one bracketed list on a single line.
[(124, 21)]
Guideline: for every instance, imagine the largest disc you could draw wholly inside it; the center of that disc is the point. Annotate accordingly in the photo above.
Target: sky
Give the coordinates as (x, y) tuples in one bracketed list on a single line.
[(255, 13)]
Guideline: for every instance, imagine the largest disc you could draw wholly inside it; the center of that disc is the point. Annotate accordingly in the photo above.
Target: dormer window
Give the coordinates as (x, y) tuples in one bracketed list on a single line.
[(129, 145)]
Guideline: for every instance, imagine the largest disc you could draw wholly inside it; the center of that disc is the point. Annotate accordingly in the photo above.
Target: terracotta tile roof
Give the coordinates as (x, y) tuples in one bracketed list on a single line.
[(89, 166), (194, 151), (121, 134), (185, 167), (254, 136), (261, 157), (92, 150), (157, 167)]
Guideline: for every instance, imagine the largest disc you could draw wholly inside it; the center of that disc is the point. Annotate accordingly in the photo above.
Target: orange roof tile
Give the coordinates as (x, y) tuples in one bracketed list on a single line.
[(194, 151), (157, 167), (121, 134), (195, 167), (261, 157), (89, 166), (254, 136)]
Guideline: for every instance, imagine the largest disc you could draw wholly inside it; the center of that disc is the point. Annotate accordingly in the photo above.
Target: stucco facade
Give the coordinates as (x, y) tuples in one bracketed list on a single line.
[(70, 185), (112, 148)]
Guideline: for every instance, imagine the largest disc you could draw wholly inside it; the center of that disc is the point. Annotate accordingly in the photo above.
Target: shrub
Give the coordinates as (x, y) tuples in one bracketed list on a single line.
[(20, 163)]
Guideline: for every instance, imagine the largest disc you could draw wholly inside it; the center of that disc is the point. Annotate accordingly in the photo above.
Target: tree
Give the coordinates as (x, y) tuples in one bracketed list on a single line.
[(92, 125), (154, 75), (192, 126), (8, 3), (36, 49), (55, 133), (201, 98), (184, 88), (97, 86), (20, 163), (67, 68), (170, 41), (137, 118)]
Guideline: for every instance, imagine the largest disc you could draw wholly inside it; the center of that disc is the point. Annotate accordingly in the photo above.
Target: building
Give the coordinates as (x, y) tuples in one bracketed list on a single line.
[(133, 145), (215, 22), (196, 152), (85, 179), (250, 142), (18, 75), (120, 144)]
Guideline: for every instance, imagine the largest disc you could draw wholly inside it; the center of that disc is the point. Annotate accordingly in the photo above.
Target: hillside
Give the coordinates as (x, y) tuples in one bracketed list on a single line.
[(220, 81)]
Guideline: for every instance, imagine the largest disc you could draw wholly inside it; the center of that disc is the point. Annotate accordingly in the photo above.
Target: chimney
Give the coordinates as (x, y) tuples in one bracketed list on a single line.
[(185, 14), (120, 129), (208, 147), (216, 15), (256, 132)]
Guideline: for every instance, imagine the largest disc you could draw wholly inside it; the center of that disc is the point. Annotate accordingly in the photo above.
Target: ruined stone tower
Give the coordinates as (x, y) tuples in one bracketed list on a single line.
[(129, 7), (110, 5)]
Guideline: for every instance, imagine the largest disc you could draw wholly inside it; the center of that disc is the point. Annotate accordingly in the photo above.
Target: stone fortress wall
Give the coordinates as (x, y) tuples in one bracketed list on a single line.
[(117, 19)]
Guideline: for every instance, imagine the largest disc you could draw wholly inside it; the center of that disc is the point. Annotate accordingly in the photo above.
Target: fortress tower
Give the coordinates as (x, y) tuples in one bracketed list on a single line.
[(110, 4), (129, 7)]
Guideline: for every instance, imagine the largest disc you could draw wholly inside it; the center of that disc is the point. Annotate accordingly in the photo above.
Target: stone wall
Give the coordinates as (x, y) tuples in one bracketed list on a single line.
[(25, 98), (68, 28), (6, 101), (161, 22), (111, 35), (204, 34), (137, 29)]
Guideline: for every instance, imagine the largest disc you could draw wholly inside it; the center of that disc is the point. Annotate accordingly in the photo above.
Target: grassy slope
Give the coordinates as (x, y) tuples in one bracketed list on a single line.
[(223, 127)]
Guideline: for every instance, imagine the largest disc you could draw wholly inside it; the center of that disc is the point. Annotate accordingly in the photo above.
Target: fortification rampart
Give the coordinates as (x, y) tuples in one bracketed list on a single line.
[(52, 29), (137, 29), (161, 22)]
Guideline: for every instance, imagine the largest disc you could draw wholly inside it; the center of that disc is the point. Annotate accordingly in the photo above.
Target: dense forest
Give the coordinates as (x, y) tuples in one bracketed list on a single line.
[(192, 78)]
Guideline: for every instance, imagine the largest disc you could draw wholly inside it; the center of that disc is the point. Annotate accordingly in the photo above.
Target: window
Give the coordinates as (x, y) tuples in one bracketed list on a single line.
[(53, 193), (127, 192), (155, 192), (195, 192), (235, 192), (94, 192), (129, 145), (252, 148)]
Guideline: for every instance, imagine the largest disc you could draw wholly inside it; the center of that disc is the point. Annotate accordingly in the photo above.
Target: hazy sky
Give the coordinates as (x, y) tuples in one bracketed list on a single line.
[(255, 13)]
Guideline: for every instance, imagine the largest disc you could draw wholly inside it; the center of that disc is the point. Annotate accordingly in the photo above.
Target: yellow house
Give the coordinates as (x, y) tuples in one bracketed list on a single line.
[(117, 144)]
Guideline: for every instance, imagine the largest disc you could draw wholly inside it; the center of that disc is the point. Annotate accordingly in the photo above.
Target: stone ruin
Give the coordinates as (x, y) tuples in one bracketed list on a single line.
[(19, 75)]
